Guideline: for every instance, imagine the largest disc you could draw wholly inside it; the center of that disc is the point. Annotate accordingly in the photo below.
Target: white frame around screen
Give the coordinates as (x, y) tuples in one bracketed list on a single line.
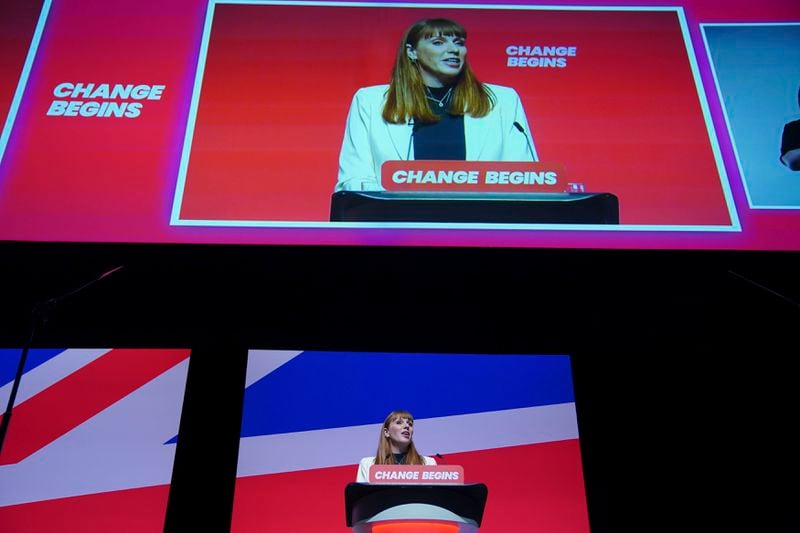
[(22, 84), (175, 219)]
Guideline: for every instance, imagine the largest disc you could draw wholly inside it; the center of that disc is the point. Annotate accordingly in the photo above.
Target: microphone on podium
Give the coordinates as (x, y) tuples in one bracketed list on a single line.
[(527, 139), (414, 128), (441, 458)]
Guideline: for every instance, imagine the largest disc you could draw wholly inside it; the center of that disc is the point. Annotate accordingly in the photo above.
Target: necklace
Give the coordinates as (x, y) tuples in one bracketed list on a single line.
[(438, 101)]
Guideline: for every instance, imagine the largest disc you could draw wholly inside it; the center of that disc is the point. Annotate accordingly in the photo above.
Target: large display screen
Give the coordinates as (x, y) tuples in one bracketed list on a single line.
[(91, 444), (611, 124), (310, 416)]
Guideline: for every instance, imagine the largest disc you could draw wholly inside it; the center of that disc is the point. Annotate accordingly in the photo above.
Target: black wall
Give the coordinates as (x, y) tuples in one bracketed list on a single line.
[(683, 360)]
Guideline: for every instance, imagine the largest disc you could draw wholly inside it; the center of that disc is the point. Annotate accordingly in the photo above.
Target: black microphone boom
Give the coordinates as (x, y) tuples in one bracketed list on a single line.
[(527, 139), (414, 128), (39, 314)]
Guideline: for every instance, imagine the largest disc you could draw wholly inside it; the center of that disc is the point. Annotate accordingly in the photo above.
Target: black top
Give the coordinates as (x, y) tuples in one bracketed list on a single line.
[(791, 137), (790, 141), (399, 458), (443, 139)]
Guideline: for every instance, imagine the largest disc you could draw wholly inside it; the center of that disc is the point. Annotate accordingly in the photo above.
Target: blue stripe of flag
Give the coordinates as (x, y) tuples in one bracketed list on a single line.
[(9, 360), (320, 390)]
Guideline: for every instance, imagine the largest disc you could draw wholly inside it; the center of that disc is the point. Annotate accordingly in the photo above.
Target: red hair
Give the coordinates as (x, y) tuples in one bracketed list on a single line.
[(406, 97), (384, 454)]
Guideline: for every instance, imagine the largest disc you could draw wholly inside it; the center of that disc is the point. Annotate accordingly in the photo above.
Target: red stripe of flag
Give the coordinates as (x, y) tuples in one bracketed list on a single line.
[(84, 393), (533, 488), (123, 511)]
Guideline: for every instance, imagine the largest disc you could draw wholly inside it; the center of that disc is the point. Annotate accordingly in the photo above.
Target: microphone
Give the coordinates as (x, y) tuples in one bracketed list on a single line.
[(414, 128), (527, 139), (45, 307), (39, 314), (439, 456), (108, 273)]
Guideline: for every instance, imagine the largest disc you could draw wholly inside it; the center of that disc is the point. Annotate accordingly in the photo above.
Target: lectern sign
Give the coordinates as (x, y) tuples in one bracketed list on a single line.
[(473, 176), (416, 474)]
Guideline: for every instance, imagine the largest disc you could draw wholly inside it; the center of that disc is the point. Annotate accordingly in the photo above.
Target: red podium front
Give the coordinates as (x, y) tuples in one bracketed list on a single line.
[(415, 499)]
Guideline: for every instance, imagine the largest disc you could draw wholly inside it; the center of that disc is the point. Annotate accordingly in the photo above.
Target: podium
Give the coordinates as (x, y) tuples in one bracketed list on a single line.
[(414, 508), (475, 207)]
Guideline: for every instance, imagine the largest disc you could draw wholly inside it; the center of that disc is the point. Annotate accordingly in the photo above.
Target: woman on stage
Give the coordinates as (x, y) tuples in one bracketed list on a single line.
[(395, 446), (434, 108)]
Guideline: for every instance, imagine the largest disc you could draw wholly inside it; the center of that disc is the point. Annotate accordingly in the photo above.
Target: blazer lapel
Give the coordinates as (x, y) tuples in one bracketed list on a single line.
[(475, 135), (400, 134)]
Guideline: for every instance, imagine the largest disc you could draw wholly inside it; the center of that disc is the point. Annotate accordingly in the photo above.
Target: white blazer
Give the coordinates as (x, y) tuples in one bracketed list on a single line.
[(366, 462), (369, 140)]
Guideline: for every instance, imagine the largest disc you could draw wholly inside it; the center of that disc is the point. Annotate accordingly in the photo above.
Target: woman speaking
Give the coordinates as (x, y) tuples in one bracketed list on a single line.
[(434, 108), (395, 446)]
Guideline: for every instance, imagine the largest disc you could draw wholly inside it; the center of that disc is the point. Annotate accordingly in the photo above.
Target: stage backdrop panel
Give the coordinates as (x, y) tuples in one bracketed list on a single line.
[(309, 417), (87, 448)]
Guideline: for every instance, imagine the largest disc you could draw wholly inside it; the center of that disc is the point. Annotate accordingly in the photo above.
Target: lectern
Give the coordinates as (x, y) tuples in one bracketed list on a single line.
[(474, 207), (415, 507)]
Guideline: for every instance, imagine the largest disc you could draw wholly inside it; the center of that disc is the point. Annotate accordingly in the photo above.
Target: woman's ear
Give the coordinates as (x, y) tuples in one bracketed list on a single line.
[(411, 53)]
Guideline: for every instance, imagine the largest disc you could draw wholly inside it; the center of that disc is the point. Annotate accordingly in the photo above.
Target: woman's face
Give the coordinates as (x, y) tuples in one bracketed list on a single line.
[(440, 58), (399, 432)]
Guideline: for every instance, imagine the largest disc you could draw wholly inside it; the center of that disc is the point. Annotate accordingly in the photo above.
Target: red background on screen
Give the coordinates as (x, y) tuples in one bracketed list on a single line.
[(115, 181), (623, 116)]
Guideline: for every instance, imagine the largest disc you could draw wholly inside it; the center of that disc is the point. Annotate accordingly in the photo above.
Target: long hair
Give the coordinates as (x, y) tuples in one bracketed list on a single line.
[(406, 98), (384, 454)]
